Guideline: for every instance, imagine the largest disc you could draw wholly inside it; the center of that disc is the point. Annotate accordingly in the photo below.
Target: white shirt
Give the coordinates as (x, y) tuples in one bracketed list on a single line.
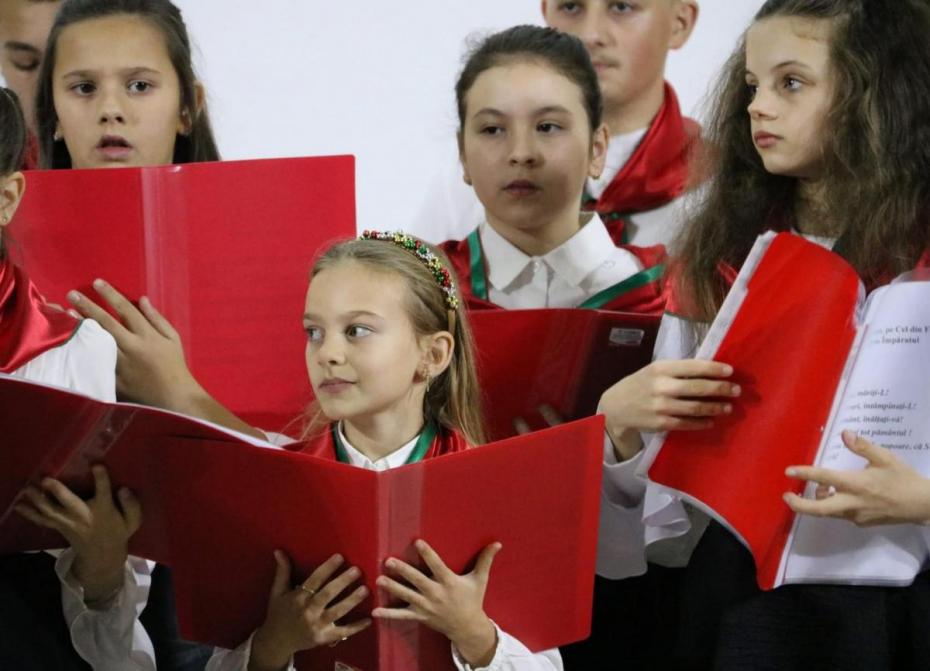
[(111, 638), (579, 268), (511, 654), (451, 210)]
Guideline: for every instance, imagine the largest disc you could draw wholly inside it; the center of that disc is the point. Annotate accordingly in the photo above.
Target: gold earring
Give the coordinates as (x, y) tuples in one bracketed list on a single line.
[(426, 376)]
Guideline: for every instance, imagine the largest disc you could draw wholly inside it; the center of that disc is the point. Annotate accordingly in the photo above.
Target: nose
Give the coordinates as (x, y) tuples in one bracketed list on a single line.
[(112, 109), (591, 27), (761, 106), (524, 148), (330, 351)]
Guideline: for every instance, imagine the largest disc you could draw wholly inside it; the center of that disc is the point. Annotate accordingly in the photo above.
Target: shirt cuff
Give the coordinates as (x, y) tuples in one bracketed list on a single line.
[(621, 485), (511, 655), (236, 660)]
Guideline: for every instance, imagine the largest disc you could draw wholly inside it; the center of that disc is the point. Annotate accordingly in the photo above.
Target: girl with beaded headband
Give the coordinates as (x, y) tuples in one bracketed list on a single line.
[(389, 355)]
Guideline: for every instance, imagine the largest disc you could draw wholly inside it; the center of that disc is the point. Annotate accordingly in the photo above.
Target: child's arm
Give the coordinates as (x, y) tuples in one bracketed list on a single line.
[(103, 590), (150, 367), (887, 491), (452, 604), (298, 618)]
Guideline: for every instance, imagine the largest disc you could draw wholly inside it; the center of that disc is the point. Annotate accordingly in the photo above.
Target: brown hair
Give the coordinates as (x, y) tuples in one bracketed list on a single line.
[(453, 400), (197, 146), (876, 155)]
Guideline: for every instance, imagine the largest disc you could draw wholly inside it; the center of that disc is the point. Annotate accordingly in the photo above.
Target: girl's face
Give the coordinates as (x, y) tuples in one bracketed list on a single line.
[(527, 147), (24, 28), (116, 93), (363, 355), (788, 69)]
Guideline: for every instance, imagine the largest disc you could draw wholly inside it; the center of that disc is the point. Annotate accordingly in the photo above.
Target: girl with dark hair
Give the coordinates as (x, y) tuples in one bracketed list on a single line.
[(117, 88), (530, 136), (820, 128)]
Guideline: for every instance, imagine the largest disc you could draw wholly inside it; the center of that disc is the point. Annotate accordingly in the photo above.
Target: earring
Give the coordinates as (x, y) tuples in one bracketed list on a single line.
[(426, 376), (57, 136), (5, 219)]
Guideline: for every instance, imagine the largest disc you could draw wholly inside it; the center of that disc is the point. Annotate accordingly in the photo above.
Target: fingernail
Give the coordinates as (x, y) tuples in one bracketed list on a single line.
[(381, 581), (736, 390), (354, 572), (728, 408), (74, 296), (99, 284), (363, 591), (390, 563), (727, 369), (849, 436), (144, 301), (337, 558), (791, 472)]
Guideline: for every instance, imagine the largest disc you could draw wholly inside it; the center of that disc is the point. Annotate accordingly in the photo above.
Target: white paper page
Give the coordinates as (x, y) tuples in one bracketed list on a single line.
[(887, 400)]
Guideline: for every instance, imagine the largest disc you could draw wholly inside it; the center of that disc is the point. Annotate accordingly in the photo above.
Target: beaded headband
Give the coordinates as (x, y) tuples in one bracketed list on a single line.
[(422, 251)]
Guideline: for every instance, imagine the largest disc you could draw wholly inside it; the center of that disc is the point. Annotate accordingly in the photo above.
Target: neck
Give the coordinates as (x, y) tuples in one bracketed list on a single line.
[(541, 240), (380, 435), (633, 115), (810, 210)]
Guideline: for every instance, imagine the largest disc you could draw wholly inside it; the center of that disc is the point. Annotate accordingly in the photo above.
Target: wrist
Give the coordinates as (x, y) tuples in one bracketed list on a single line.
[(478, 643), (627, 442), (266, 654), (99, 584)]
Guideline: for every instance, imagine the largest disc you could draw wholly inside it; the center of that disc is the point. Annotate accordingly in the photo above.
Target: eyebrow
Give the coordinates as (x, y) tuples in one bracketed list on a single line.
[(21, 46), (351, 315), (136, 70), (548, 109)]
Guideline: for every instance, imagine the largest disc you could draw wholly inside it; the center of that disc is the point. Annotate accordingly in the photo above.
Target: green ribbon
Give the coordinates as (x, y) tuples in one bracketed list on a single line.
[(479, 279)]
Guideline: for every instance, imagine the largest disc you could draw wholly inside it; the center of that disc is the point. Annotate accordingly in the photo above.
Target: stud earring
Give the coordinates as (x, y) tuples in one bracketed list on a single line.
[(57, 136)]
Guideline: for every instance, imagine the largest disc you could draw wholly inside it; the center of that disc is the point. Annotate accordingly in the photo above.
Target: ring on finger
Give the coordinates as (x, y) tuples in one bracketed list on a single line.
[(308, 590), (335, 643)]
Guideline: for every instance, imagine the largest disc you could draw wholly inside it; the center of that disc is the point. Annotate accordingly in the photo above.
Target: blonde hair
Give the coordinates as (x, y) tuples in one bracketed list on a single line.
[(453, 400)]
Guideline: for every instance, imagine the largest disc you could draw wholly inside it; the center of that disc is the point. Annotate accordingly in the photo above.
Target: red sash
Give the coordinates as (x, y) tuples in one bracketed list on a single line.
[(445, 442), (28, 326), (657, 172), (642, 293)]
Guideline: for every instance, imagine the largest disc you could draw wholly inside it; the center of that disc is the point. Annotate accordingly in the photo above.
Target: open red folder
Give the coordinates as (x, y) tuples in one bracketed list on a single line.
[(565, 358), (216, 505), (813, 358), (222, 249)]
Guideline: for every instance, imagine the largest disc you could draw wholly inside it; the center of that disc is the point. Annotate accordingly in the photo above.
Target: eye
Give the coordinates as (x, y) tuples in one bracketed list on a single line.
[(548, 127), (491, 130), (358, 331), (792, 84), (621, 7), (138, 86), (27, 66), (83, 88), (569, 8), (751, 89), (314, 333)]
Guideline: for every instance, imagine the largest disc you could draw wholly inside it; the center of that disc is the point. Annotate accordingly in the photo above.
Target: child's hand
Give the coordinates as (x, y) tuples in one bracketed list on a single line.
[(448, 603), (666, 396), (150, 366), (97, 529), (887, 491), (547, 412), (305, 617)]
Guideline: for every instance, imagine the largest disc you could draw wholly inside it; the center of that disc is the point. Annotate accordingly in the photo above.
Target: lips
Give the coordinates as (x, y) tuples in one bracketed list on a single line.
[(114, 147), (335, 385), (765, 140), (521, 188)]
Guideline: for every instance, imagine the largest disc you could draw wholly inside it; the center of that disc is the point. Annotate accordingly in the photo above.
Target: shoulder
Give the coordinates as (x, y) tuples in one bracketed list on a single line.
[(86, 363)]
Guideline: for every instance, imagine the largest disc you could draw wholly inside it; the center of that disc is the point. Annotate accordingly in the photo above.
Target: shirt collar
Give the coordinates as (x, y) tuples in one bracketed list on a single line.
[(572, 261), (396, 458)]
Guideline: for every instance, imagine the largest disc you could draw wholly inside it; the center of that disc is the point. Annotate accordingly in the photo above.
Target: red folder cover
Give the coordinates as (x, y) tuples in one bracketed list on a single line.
[(565, 358), (537, 494), (788, 325), (48, 431), (223, 249)]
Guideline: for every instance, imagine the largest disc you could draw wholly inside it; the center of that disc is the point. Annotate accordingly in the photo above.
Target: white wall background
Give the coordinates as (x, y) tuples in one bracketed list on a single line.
[(375, 78)]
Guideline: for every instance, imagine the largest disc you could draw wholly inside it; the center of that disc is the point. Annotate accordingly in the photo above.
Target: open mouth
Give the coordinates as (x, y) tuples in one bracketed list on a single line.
[(522, 187)]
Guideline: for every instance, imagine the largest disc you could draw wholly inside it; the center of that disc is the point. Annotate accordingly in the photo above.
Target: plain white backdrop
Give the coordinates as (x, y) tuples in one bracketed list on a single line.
[(375, 79)]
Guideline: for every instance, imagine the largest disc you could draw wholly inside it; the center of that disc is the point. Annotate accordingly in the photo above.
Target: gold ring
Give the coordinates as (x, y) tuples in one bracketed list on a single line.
[(335, 643), (308, 590)]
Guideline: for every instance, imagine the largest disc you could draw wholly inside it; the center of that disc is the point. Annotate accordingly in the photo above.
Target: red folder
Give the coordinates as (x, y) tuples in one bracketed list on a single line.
[(223, 249), (53, 432), (791, 324), (565, 358), (537, 494)]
